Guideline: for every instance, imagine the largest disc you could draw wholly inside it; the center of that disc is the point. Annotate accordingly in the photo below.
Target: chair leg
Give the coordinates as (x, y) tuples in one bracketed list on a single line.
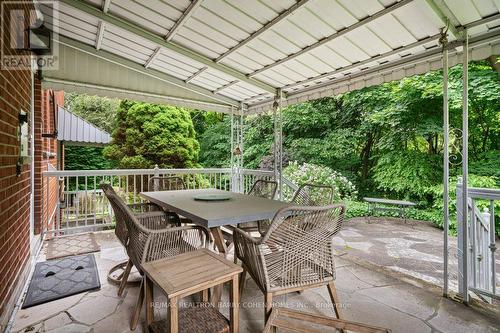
[(242, 281), (268, 302), (335, 300), (138, 307), (124, 277)]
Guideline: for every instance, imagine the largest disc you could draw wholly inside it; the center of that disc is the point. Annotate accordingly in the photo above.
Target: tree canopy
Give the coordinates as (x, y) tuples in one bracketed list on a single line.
[(148, 134)]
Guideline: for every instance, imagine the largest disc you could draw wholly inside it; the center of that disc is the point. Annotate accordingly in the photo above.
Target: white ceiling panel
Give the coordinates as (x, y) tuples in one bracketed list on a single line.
[(274, 43)]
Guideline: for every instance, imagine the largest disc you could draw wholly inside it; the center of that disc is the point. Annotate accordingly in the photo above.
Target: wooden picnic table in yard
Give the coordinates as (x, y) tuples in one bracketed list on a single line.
[(374, 204)]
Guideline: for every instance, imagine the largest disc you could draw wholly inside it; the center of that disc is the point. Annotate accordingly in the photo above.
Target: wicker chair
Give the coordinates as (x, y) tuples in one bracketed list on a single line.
[(149, 215), (313, 195), (295, 254), (157, 183), (306, 195), (263, 189), (147, 244)]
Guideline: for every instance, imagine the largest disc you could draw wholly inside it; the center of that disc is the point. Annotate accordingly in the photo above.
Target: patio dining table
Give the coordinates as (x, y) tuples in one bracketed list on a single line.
[(239, 208)]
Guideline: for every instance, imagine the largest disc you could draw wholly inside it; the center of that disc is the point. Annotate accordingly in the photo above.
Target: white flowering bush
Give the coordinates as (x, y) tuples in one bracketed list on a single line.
[(307, 173)]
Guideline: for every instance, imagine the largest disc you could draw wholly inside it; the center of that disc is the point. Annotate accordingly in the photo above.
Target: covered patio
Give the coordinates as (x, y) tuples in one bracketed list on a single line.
[(250, 57)]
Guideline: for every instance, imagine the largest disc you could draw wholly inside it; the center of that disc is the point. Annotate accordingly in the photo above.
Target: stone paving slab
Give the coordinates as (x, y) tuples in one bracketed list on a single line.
[(367, 296)]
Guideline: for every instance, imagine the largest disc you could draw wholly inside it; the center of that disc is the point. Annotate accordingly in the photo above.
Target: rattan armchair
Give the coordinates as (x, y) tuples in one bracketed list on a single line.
[(263, 189), (313, 195), (146, 244), (295, 253), (148, 214), (158, 183)]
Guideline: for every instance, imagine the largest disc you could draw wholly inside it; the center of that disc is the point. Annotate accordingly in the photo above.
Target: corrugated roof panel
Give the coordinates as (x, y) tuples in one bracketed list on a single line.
[(211, 45), (205, 83), (134, 39), (210, 32), (393, 33), (419, 19), (347, 50), (221, 23), (278, 41), (175, 62), (258, 10), (195, 46), (269, 50), (293, 33), (169, 69), (141, 15), (464, 10), (232, 14), (331, 56), (311, 24), (376, 45), (71, 128), (278, 5), (361, 8)]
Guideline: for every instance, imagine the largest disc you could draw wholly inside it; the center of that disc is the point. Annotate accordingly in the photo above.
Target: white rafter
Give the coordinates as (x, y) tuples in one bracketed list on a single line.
[(191, 78), (105, 5), (336, 35), (227, 85), (100, 35), (264, 28), (152, 58), (184, 17)]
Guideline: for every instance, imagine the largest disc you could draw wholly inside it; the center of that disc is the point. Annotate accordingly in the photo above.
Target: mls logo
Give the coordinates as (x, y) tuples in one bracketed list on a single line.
[(29, 37)]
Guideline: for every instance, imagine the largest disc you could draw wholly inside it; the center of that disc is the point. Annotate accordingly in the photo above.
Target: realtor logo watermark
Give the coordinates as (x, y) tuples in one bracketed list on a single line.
[(29, 33)]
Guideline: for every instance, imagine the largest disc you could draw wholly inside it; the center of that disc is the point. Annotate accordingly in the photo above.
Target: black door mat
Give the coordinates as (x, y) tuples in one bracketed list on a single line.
[(59, 278)]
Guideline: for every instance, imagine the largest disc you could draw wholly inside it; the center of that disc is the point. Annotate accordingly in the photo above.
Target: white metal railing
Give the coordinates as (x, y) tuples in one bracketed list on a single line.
[(481, 264), (83, 207)]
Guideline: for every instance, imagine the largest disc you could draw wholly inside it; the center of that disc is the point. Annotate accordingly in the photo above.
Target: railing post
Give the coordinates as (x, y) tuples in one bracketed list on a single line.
[(492, 246), (156, 174)]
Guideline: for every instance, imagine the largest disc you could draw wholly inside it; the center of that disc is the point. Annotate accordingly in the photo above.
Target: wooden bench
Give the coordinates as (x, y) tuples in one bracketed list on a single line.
[(379, 204), (297, 321)]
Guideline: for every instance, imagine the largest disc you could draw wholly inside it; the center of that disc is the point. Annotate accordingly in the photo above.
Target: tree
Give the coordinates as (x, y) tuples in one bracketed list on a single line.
[(99, 111), (149, 134)]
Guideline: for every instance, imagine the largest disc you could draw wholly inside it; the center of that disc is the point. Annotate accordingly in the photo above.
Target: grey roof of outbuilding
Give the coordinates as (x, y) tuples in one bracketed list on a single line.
[(76, 130)]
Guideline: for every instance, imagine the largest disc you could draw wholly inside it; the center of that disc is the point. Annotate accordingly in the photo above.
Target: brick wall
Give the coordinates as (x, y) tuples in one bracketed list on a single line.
[(15, 191), (45, 188)]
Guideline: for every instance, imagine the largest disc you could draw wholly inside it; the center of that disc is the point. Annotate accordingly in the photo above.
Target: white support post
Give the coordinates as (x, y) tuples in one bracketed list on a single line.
[(465, 165), (237, 149), (278, 142), (446, 164)]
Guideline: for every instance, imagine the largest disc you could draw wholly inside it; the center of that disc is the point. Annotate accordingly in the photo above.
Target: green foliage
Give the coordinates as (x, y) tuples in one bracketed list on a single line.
[(408, 173), (85, 158), (216, 145), (149, 134), (99, 111), (307, 173)]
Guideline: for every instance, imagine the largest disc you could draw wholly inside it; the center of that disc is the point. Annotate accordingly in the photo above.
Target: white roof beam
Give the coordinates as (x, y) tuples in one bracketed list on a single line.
[(367, 61), (160, 41), (336, 35), (184, 17), (446, 15), (264, 28), (105, 6), (227, 85), (152, 58), (100, 35), (191, 78)]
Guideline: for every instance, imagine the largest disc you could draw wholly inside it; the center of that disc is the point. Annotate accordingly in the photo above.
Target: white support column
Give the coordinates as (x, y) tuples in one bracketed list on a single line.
[(446, 163), (237, 149), (465, 165), (278, 142)]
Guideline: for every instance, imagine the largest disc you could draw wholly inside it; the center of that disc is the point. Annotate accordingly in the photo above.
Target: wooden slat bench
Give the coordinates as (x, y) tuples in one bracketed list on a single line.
[(297, 321), (376, 203)]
